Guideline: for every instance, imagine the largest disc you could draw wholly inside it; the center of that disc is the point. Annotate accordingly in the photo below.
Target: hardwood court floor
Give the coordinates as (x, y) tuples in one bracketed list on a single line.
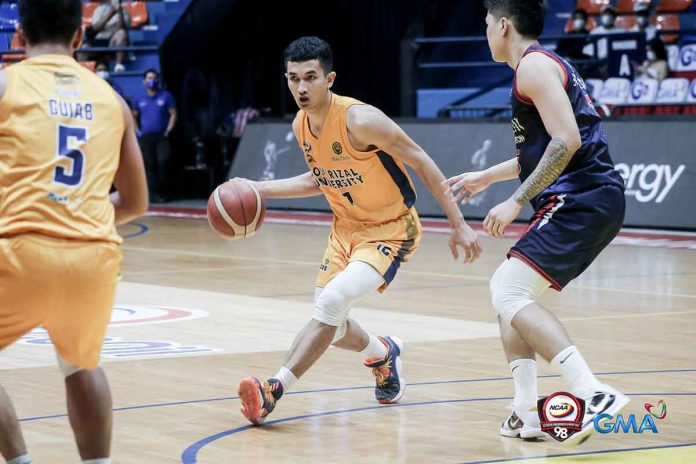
[(195, 314)]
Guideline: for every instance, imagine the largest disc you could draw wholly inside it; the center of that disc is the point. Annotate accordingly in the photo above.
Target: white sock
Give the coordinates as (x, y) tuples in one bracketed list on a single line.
[(574, 370), (375, 349), (97, 461), (23, 459), (524, 374), (286, 377)]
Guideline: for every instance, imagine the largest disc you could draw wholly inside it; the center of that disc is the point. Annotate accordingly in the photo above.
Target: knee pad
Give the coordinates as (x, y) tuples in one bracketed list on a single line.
[(67, 368), (331, 307), (513, 286)]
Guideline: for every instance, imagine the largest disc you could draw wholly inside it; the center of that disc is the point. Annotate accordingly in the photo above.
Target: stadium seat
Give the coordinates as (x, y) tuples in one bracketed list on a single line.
[(15, 45), (594, 88), (138, 12), (691, 96), (592, 7), (625, 22), (87, 12), (643, 91), (91, 65), (624, 6), (673, 91), (591, 24), (614, 91), (668, 22), (673, 6)]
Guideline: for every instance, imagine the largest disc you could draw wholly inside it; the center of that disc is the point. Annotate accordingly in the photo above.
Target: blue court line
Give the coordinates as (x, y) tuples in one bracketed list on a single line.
[(584, 453), (341, 389), (189, 456), (142, 230)]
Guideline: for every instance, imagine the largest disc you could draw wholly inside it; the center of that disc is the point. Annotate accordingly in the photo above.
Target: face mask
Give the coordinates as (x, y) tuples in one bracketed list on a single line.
[(650, 55), (152, 84), (103, 74), (579, 24), (607, 20)]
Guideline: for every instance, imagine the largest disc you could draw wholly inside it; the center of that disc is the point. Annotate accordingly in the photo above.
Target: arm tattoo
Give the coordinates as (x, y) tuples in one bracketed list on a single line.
[(555, 159)]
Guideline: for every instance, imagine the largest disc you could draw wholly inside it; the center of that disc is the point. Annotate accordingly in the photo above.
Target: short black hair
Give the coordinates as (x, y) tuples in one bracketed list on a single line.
[(527, 15), (310, 48), (50, 21), (581, 12), (151, 70), (659, 48)]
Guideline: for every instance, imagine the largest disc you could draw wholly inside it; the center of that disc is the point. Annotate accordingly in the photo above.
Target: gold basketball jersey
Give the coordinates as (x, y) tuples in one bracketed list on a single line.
[(61, 129), (368, 187)]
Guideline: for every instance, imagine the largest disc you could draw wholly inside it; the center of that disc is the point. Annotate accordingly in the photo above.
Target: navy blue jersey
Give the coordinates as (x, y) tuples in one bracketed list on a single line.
[(591, 166)]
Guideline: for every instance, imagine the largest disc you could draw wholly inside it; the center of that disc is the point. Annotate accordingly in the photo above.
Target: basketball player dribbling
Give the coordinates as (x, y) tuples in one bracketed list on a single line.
[(65, 138), (356, 158), (568, 176)]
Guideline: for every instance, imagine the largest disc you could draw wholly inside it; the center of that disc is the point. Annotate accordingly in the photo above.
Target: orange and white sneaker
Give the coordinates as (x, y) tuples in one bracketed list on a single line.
[(259, 399), (388, 372)]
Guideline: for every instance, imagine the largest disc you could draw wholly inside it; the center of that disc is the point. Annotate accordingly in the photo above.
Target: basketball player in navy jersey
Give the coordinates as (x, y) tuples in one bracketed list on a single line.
[(568, 176)]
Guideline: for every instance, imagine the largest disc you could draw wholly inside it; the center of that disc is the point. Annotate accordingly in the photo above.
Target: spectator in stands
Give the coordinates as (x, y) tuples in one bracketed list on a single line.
[(608, 26), (643, 22), (102, 70), (155, 116), (655, 65), (572, 45), (109, 28)]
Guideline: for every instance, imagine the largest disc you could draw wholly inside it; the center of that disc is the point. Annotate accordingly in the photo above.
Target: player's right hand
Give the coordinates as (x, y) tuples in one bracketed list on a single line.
[(465, 237), (466, 185)]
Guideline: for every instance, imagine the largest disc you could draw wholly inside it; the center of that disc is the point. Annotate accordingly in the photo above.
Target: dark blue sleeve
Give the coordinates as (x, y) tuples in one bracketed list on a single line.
[(170, 101)]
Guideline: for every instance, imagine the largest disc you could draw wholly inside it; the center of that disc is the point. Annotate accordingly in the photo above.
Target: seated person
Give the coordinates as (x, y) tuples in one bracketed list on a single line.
[(608, 26), (572, 45), (110, 23), (655, 65), (643, 22)]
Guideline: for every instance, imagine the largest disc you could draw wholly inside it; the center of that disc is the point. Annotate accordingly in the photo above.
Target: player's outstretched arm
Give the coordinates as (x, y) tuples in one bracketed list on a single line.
[(467, 184), (370, 127), (131, 198), (541, 79), (293, 187), (301, 186)]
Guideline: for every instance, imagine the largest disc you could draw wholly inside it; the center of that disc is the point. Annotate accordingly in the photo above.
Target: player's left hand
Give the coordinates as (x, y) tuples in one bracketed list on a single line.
[(499, 217), (467, 238)]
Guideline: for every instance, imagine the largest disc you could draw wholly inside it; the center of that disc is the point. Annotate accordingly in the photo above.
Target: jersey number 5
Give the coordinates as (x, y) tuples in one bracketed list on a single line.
[(69, 172)]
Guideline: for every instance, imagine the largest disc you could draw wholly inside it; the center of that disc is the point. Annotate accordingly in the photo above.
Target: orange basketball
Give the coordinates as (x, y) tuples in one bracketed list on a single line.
[(236, 209)]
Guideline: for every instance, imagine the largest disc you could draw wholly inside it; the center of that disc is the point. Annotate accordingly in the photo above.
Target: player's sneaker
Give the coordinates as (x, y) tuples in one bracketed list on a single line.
[(259, 399), (388, 372), (522, 424), (604, 401)]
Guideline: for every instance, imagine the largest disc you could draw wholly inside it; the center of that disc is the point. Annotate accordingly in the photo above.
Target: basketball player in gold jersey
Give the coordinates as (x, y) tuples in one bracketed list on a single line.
[(65, 138), (356, 157)]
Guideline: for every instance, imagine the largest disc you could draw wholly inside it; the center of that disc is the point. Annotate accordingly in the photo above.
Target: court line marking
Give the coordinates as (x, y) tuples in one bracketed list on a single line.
[(370, 387), (189, 455), (144, 229), (583, 453), (204, 269), (402, 271)]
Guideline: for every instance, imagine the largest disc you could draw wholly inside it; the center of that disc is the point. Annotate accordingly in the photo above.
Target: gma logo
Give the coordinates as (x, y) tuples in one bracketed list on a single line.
[(604, 423)]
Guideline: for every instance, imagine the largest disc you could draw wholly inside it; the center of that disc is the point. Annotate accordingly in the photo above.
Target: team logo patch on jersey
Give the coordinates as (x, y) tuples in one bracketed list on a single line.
[(336, 147), (307, 146)]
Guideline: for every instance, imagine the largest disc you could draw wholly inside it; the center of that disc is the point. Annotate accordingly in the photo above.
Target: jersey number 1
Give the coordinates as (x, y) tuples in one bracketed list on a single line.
[(70, 172), (349, 197)]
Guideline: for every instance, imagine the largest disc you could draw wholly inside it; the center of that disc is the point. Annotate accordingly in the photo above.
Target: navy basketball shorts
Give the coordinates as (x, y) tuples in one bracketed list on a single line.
[(569, 230)]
